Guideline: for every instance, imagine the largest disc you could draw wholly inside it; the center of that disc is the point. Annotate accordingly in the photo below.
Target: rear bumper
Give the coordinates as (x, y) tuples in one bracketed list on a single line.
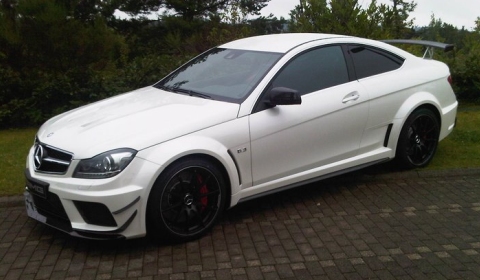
[(449, 119)]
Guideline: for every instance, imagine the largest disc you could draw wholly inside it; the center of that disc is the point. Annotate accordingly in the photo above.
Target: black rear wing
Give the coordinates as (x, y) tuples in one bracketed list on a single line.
[(430, 45)]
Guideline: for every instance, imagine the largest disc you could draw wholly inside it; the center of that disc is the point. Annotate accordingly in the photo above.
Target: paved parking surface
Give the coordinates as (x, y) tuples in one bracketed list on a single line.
[(388, 226)]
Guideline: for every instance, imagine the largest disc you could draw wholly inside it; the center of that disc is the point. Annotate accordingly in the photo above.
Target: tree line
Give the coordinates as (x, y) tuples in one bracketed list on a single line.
[(60, 54)]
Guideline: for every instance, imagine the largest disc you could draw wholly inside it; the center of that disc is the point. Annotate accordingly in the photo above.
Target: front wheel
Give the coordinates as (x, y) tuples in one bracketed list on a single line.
[(186, 201), (418, 139)]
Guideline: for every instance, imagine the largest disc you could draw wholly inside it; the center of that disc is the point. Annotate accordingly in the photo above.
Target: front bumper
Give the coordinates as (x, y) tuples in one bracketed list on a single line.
[(40, 208), (112, 208), (46, 207)]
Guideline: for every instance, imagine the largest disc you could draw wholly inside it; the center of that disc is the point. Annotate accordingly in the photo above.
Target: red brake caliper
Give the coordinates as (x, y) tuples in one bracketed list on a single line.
[(203, 191)]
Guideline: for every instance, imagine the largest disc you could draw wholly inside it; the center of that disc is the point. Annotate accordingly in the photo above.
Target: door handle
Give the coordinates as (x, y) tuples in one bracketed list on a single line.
[(351, 97)]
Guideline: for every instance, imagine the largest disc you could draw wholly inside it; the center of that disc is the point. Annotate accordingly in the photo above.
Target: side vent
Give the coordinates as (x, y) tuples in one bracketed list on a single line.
[(387, 135), (236, 165)]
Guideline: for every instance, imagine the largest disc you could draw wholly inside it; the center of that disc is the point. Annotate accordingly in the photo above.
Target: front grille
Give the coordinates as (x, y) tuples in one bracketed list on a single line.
[(50, 159)]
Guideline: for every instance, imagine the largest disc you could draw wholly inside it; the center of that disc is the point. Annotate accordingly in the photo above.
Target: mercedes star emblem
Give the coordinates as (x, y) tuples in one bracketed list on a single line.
[(38, 156)]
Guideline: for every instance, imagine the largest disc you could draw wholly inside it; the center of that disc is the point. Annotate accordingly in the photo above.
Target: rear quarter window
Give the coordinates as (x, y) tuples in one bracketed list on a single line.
[(370, 61)]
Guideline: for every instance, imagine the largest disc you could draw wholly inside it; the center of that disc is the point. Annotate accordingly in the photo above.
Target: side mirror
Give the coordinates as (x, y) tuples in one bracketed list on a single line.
[(283, 96)]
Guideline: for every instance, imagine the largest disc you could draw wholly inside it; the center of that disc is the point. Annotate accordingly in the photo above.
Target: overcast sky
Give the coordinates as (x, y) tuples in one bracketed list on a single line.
[(456, 12)]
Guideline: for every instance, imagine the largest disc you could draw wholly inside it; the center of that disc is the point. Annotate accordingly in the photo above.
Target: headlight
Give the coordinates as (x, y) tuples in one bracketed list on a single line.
[(104, 165)]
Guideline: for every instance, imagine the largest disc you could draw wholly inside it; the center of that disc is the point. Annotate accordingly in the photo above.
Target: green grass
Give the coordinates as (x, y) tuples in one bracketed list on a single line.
[(14, 146), (461, 149)]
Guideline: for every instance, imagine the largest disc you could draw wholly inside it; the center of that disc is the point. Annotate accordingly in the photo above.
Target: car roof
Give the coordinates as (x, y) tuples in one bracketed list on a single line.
[(280, 43)]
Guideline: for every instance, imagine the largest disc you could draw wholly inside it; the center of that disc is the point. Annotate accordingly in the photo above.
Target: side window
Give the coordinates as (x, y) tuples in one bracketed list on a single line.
[(371, 61), (314, 70)]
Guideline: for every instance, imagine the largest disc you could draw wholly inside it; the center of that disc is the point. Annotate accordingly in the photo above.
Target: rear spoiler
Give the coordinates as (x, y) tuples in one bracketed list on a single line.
[(430, 45)]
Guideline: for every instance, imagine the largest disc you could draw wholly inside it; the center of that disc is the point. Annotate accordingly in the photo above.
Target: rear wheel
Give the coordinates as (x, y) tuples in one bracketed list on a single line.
[(418, 139), (186, 201)]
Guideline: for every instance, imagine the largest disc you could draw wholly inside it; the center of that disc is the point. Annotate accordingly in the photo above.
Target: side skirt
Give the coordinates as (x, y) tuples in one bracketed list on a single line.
[(323, 177)]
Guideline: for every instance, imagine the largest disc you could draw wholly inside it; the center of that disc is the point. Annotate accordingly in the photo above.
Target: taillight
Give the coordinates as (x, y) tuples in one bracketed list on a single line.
[(450, 81)]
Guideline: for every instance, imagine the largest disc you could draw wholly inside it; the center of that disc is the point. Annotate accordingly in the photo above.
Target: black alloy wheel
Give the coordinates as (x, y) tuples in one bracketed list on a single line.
[(187, 200), (418, 139)]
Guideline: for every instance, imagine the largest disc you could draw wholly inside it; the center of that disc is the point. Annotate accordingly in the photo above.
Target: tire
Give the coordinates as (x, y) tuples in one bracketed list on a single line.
[(418, 139), (186, 201)]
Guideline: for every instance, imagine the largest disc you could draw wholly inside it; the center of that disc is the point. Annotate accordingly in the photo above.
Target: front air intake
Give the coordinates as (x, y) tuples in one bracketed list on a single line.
[(95, 213)]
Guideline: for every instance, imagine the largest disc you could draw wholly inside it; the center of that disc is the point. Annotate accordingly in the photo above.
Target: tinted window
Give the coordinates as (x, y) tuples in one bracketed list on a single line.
[(371, 61), (314, 70), (222, 74)]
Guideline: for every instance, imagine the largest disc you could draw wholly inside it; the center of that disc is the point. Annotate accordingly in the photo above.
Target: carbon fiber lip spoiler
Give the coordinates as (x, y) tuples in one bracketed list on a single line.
[(430, 45)]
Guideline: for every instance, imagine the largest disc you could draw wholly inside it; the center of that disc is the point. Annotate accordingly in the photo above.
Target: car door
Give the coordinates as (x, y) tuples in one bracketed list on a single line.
[(289, 142), (377, 70)]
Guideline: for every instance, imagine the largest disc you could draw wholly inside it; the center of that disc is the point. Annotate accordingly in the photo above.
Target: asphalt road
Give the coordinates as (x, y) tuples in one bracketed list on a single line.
[(367, 225)]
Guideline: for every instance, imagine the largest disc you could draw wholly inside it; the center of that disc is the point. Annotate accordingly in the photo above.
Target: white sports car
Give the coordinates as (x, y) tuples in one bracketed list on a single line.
[(245, 119)]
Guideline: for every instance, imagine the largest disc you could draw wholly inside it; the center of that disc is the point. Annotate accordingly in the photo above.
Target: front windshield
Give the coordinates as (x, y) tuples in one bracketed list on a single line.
[(221, 74)]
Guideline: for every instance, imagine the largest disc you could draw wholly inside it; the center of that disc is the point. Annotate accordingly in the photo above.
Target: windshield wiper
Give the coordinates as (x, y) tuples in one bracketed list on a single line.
[(166, 88), (188, 92), (192, 93)]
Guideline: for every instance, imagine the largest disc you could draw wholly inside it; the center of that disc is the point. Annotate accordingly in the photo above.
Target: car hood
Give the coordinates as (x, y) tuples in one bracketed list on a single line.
[(137, 120)]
